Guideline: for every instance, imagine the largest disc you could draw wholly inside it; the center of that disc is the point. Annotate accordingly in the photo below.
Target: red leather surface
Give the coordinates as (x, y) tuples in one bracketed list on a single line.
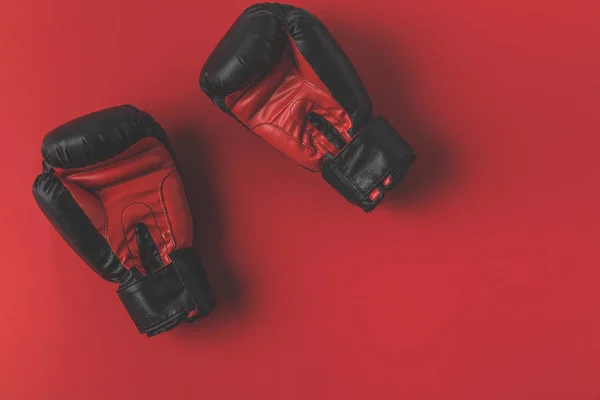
[(475, 279), (139, 185), (275, 108)]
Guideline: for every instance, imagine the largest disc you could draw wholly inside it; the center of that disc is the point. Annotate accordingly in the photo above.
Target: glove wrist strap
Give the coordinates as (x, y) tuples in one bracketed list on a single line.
[(161, 300), (374, 161)]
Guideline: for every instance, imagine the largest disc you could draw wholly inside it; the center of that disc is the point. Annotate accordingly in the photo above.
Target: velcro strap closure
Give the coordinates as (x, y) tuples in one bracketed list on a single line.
[(374, 161), (178, 292)]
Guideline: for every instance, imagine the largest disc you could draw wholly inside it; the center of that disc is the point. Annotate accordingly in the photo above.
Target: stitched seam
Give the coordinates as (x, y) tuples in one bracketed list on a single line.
[(96, 197), (160, 325), (251, 84), (105, 215), (390, 171), (270, 95), (357, 141), (164, 208), (158, 275), (349, 180), (296, 140), (352, 145), (125, 234), (365, 195), (133, 178), (111, 165), (126, 242), (245, 90), (293, 43), (309, 82), (294, 65)]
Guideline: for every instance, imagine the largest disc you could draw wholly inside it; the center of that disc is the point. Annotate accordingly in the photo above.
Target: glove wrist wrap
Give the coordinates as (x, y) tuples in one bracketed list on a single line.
[(178, 292), (374, 161)]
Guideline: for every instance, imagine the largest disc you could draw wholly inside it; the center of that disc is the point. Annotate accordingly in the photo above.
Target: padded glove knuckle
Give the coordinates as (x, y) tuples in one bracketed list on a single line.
[(112, 191), (280, 73)]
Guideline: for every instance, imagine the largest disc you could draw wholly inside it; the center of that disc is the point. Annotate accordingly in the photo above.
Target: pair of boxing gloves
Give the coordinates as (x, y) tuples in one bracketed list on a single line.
[(110, 184)]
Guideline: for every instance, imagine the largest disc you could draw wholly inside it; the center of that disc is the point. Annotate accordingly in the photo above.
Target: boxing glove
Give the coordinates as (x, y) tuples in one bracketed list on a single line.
[(281, 74), (110, 187)]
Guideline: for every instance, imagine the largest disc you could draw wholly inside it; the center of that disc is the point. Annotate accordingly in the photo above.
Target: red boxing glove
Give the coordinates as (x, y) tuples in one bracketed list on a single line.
[(283, 76), (111, 188)]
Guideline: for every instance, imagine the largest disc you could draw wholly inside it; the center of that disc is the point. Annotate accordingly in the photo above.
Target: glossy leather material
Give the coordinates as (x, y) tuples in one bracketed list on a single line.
[(249, 50), (372, 163), (281, 74), (330, 64), (72, 223), (154, 314), (276, 109), (126, 214), (136, 189), (85, 141)]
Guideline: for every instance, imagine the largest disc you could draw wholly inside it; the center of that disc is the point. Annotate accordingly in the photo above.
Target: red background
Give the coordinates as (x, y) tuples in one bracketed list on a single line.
[(477, 278)]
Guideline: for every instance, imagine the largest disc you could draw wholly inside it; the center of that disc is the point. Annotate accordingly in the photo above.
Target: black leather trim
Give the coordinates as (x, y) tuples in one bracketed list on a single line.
[(149, 254), (377, 152), (254, 44), (167, 295), (76, 229), (331, 64), (249, 49), (165, 298), (98, 136)]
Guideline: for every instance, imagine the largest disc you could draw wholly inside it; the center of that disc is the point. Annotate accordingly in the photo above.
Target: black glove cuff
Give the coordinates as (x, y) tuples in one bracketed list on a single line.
[(161, 300), (374, 161)]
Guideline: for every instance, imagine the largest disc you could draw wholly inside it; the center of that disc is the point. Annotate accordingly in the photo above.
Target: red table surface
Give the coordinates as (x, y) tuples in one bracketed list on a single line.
[(477, 278)]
